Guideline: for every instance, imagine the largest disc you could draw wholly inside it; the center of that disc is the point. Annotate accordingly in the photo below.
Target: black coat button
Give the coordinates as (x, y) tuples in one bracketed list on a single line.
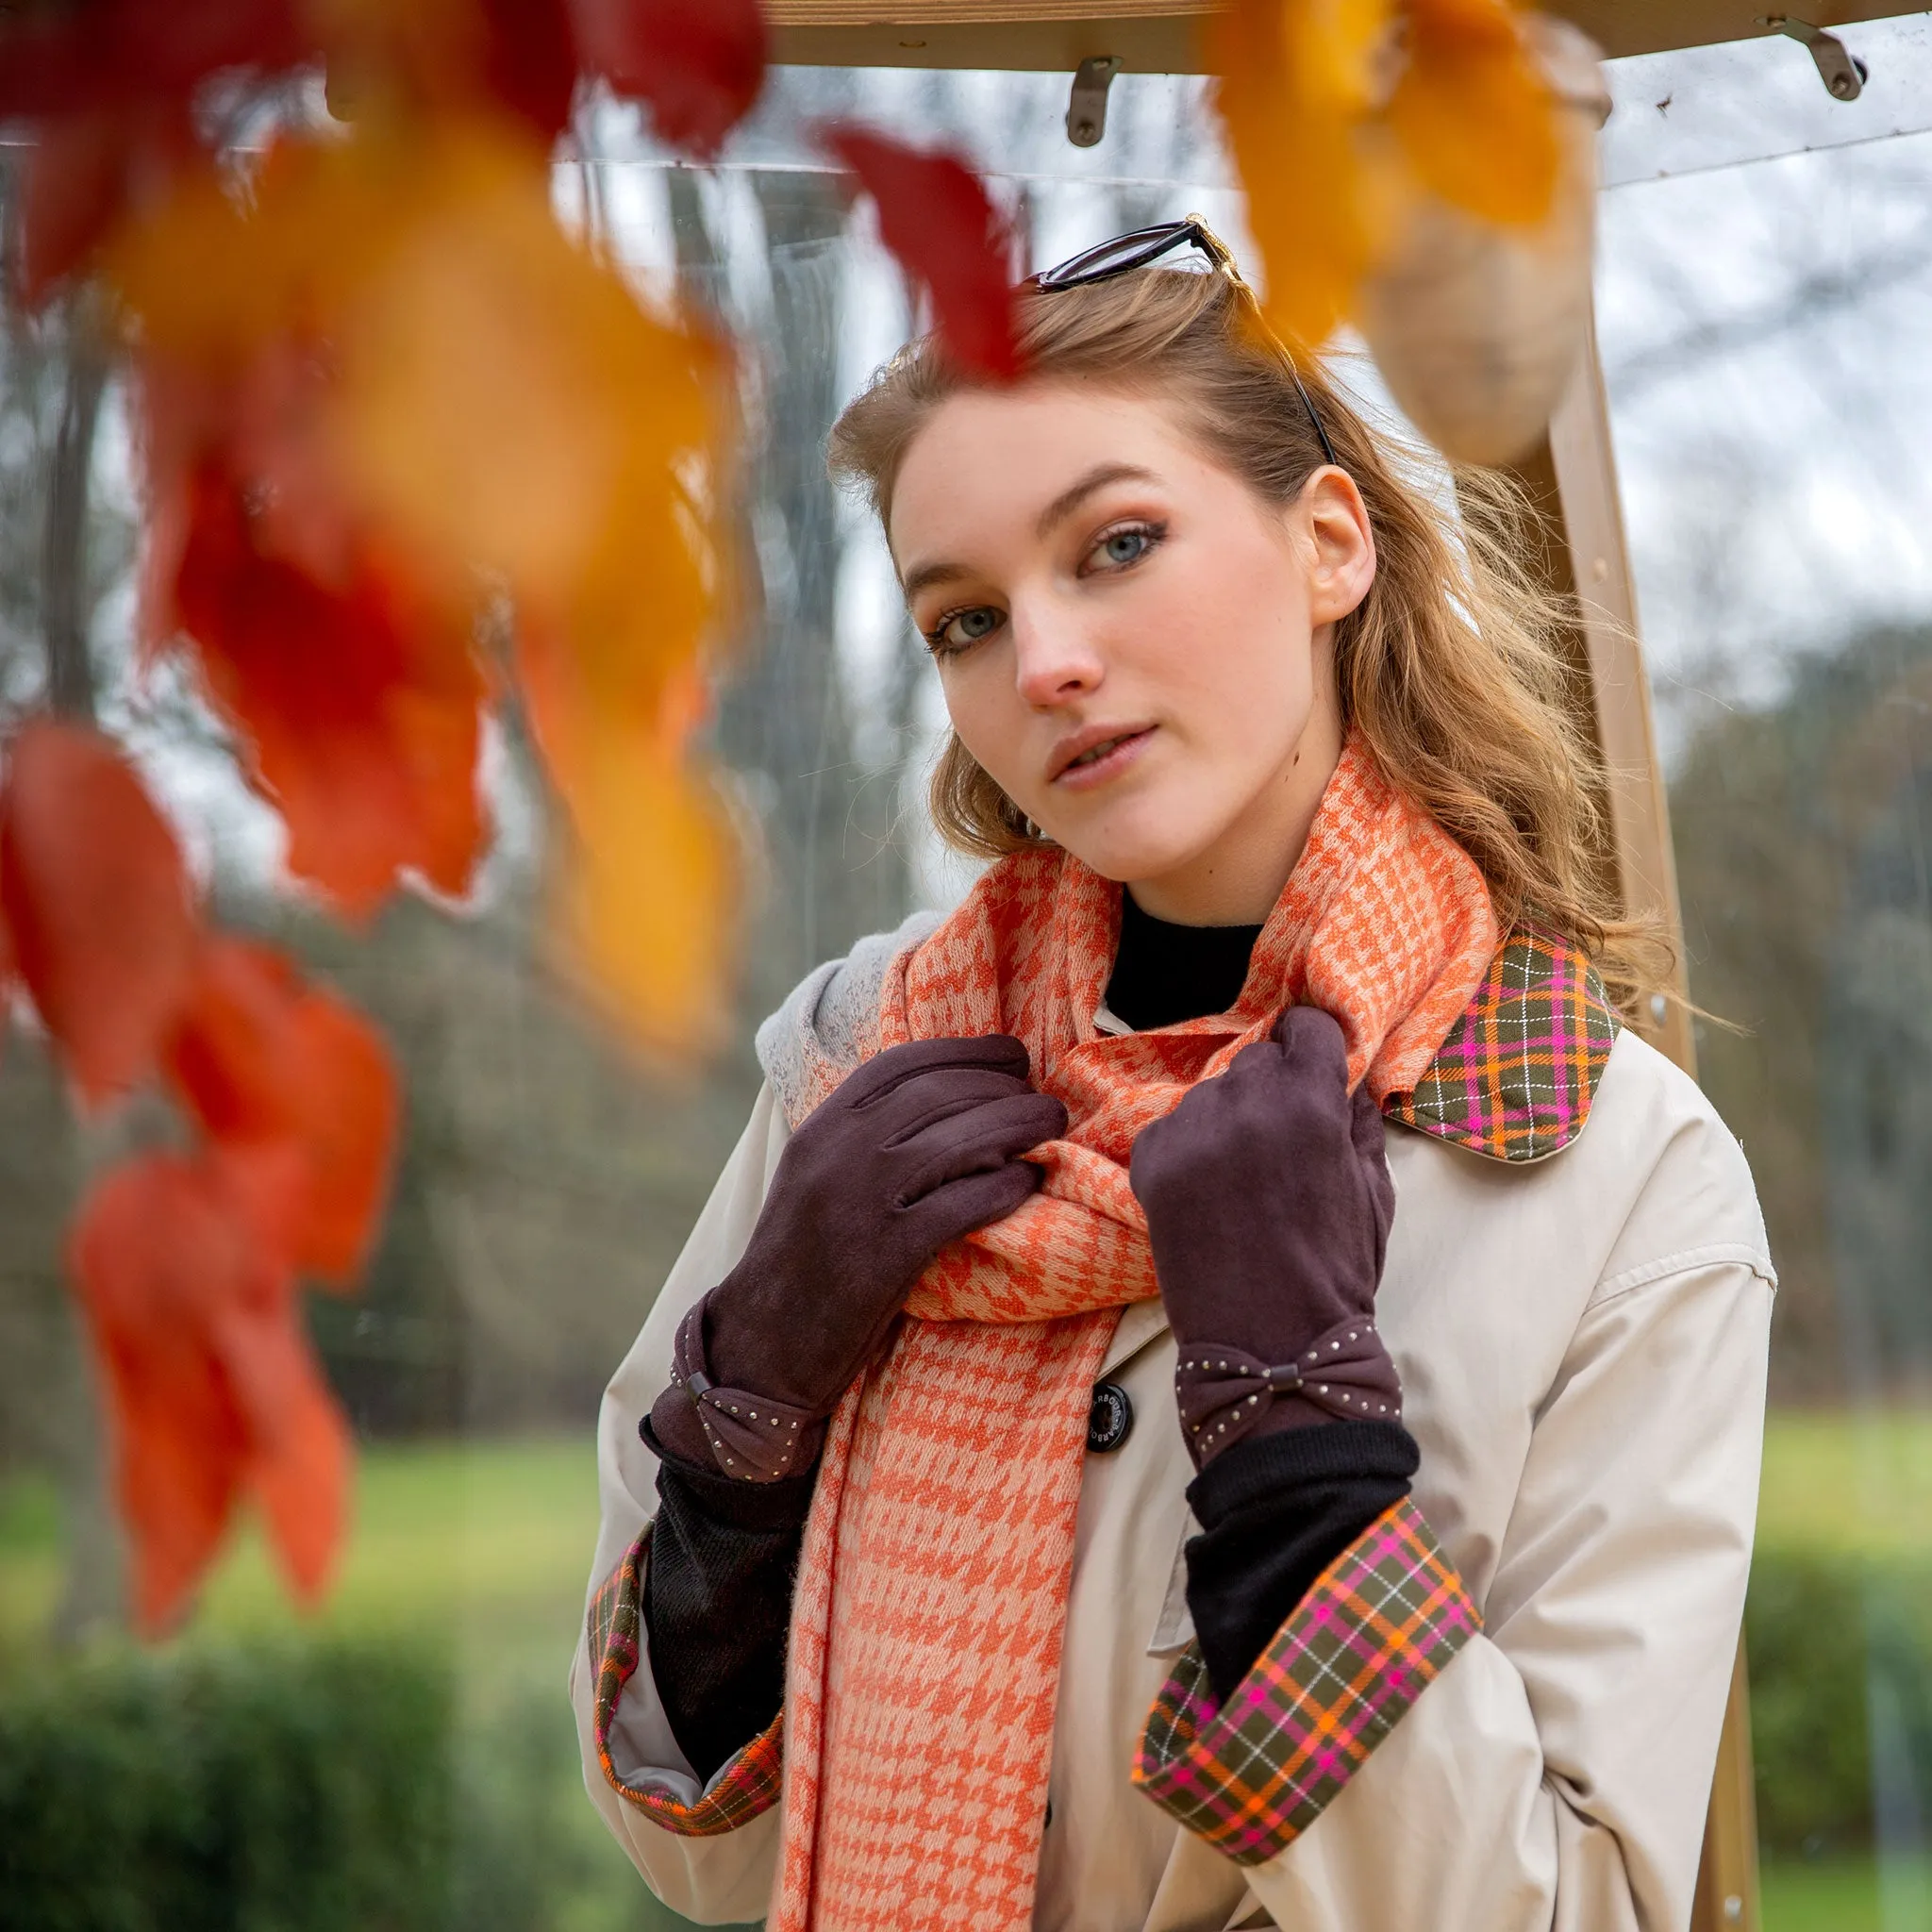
[(1111, 1421)]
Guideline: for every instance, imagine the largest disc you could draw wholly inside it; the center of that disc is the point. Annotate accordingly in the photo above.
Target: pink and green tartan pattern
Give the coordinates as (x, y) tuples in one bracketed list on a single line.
[(1376, 1628), (749, 1783), (1515, 1078)]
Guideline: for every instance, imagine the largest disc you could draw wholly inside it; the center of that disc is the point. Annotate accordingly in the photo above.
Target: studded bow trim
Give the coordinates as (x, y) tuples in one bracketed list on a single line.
[(1224, 1391), (751, 1436)]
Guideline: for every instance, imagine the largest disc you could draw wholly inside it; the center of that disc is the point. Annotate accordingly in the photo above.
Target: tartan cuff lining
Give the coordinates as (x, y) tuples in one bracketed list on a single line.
[(1378, 1627), (745, 1786)]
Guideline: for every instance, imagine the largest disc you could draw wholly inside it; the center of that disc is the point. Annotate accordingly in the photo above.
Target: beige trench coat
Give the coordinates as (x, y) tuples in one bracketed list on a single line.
[(1582, 1343)]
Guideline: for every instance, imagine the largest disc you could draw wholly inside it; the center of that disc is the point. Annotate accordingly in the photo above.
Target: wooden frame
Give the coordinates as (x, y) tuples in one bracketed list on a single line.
[(1571, 477), (1157, 35)]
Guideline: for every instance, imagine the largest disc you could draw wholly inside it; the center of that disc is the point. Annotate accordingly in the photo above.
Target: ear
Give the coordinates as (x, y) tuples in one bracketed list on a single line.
[(1343, 565)]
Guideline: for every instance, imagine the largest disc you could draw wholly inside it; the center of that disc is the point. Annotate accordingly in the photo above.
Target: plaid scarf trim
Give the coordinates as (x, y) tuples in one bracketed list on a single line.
[(1372, 1633), (1515, 1078), (746, 1785)]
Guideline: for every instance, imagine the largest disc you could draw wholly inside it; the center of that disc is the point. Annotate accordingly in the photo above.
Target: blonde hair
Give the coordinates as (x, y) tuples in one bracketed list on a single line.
[(1452, 670)]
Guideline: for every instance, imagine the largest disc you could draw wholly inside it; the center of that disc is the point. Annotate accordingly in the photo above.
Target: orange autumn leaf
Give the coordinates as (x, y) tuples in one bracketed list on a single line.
[(96, 901), (1295, 89), (507, 403), (1474, 112), (476, 386), (261, 1060), (360, 706), (212, 1385), (643, 899)]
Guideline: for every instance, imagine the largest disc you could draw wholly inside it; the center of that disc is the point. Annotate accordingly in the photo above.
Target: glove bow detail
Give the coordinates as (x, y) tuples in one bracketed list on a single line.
[(1224, 1391), (753, 1437)]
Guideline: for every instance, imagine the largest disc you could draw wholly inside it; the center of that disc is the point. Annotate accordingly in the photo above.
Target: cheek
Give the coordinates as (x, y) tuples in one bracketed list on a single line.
[(986, 711), (1235, 648)]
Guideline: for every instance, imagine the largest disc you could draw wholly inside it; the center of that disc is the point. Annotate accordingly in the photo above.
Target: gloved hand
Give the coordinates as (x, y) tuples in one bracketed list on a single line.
[(922, 1144), (1269, 1204)]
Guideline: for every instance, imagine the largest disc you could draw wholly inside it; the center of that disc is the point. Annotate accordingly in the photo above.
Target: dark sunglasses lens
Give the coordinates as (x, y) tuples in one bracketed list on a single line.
[(1119, 257)]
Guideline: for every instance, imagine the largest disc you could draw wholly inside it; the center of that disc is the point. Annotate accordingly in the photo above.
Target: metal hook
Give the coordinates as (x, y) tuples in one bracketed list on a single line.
[(1843, 74), (1087, 104)]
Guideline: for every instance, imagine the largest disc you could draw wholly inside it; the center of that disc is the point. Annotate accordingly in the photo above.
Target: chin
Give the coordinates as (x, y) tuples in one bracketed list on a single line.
[(1127, 857)]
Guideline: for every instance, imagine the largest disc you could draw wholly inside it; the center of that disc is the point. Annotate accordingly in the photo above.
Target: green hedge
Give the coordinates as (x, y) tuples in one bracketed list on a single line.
[(290, 1787), (1826, 1639)]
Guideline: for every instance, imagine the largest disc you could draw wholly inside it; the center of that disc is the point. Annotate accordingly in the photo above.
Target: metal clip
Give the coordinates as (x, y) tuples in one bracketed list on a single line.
[(1086, 106), (1843, 74)]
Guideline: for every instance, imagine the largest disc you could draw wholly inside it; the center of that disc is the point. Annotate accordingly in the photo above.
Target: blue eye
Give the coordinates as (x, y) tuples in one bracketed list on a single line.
[(958, 629), (1122, 547)]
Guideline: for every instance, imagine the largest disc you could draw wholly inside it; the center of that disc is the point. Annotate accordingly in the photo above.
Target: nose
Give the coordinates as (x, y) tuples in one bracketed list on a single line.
[(1054, 661)]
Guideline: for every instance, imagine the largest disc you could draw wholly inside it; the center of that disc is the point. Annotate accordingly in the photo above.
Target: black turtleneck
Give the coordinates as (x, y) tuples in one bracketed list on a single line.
[(1273, 1512), (1164, 973)]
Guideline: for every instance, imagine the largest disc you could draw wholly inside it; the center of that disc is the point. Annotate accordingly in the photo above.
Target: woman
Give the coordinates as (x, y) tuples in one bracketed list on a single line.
[(1156, 1496)]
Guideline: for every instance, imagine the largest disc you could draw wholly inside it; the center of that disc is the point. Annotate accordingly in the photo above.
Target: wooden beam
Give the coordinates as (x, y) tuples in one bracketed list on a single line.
[(1580, 549), (1596, 564), (1157, 35)]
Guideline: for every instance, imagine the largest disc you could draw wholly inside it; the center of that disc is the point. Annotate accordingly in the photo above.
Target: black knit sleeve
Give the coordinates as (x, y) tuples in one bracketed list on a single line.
[(718, 1601), (1274, 1512)]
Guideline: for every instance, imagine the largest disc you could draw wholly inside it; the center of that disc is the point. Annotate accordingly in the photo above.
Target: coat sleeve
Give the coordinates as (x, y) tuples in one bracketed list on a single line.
[(1395, 1759), (709, 1851)]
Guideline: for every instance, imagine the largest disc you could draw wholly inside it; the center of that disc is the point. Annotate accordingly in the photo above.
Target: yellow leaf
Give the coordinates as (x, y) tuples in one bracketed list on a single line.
[(1295, 91), (1473, 113), (500, 406)]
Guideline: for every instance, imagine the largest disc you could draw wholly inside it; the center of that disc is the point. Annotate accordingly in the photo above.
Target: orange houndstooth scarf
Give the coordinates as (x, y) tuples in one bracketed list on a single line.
[(932, 1593)]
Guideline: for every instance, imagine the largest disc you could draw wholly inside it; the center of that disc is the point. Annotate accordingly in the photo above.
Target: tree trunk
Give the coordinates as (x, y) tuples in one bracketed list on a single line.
[(65, 603), (91, 1592)]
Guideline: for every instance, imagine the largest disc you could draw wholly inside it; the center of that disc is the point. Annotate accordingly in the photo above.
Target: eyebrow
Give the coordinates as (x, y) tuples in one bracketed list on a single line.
[(1063, 507), (1069, 500)]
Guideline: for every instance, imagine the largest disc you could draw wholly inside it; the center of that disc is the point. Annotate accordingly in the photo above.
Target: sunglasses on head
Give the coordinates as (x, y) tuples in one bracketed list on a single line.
[(1143, 247)]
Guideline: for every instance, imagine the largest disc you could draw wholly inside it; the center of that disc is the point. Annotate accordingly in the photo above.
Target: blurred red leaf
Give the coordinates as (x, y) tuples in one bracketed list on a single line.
[(259, 1057), (212, 1385), (76, 180), (361, 705), (97, 901), (62, 59), (696, 64), (935, 217), (530, 61)]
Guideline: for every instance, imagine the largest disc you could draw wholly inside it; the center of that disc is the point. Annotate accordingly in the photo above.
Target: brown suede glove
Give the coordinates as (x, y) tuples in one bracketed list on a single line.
[(920, 1145), (1269, 1204)]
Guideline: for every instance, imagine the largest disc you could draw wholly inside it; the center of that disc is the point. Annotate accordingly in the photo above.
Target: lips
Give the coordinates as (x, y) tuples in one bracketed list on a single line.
[(1087, 749)]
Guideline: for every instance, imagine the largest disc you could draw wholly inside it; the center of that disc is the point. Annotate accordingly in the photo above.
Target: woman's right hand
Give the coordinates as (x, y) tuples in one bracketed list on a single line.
[(920, 1145)]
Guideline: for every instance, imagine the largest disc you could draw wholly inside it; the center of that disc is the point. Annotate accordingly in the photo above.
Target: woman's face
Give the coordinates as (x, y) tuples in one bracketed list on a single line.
[(1132, 643)]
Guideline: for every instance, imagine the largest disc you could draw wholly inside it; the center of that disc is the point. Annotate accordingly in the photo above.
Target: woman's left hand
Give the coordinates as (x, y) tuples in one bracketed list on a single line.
[(1269, 1203)]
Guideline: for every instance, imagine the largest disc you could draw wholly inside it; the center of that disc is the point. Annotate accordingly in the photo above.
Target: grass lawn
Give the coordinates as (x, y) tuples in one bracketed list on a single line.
[(488, 1544), (1844, 1484), (491, 1542), (1847, 1897)]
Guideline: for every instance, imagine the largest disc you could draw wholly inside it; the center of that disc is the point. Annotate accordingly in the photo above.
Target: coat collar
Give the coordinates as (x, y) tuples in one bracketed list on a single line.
[(1516, 1076)]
